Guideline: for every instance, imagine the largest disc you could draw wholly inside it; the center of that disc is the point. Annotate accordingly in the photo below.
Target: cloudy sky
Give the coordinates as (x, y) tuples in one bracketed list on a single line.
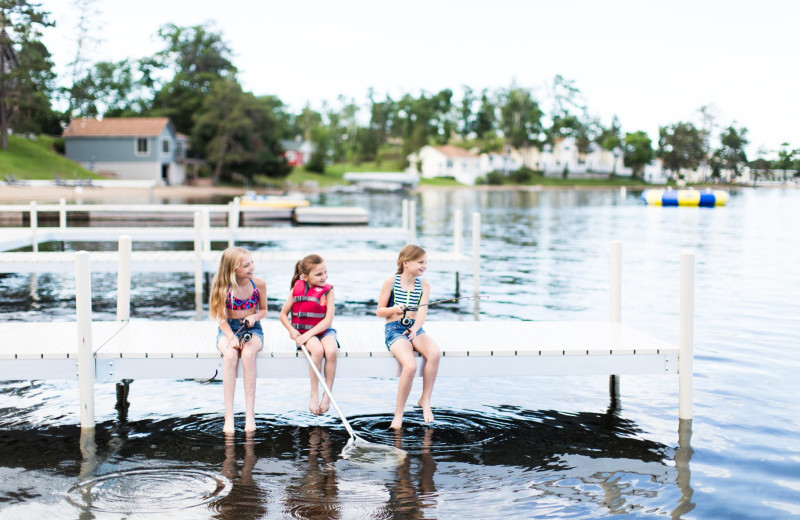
[(649, 62)]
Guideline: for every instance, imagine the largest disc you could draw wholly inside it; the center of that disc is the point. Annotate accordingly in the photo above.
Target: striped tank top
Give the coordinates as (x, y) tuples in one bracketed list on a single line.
[(406, 298)]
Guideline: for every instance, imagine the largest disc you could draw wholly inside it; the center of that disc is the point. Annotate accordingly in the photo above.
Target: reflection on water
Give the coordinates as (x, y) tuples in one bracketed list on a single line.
[(467, 462)]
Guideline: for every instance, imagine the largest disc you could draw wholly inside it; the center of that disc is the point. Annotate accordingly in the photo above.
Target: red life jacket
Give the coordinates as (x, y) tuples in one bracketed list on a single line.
[(307, 305)]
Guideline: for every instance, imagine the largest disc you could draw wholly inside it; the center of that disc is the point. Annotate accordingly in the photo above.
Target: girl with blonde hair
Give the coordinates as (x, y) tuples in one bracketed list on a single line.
[(238, 301), (401, 302)]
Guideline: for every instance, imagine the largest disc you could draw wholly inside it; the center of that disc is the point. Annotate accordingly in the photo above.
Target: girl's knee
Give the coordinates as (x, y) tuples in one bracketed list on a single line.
[(408, 369)]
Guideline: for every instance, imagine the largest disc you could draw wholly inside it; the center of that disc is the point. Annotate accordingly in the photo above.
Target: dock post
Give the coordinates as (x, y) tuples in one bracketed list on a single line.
[(404, 214), (412, 221), (476, 253), (686, 342), (457, 232), (198, 265), (233, 221), (206, 230), (62, 213), (124, 278), (615, 315), (83, 307), (34, 227)]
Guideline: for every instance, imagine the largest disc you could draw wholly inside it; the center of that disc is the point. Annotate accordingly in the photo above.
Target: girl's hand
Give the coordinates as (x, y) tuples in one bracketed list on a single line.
[(301, 339), (398, 309), (411, 334), (234, 342), (249, 321)]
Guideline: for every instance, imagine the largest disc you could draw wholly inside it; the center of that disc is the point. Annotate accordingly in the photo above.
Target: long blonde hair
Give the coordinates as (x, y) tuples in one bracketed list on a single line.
[(304, 266), (409, 253), (224, 278)]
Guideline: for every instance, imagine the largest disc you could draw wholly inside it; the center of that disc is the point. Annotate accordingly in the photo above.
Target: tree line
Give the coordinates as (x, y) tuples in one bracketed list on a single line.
[(193, 81)]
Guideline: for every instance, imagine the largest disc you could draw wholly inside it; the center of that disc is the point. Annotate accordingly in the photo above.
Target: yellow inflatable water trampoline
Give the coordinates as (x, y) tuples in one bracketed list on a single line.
[(704, 199)]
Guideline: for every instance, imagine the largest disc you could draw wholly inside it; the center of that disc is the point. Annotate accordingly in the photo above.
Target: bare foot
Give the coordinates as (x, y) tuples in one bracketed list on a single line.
[(228, 426), (250, 425), (397, 422), (313, 404), (325, 405), (426, 411)]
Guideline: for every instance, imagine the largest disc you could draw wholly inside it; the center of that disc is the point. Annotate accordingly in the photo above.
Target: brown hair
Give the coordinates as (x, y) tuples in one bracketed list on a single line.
[(409, 253), (224, 278), (304, 266)]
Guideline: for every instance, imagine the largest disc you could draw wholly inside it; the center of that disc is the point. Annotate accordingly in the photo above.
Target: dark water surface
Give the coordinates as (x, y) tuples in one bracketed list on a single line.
[(500, 448)]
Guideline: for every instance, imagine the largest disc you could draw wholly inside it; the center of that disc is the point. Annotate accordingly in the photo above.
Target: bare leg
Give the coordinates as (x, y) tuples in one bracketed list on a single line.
[(229, 364), (330, 347), (428, 349), (249, 352), (314, 348), (404, 354)]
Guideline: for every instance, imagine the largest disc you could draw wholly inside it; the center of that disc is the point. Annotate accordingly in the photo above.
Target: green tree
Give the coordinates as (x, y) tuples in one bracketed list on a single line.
[(637, 152), (786, 158), (198, 58), (239, 132), (465, 113), (611, 140), (25, 66), (520, 117), (731, 154), (681, 146), (485, 119)]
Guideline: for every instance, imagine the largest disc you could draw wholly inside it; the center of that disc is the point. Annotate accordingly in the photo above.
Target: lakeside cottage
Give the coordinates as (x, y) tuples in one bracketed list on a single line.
[(142, 148), (297, 153), (445, 161)]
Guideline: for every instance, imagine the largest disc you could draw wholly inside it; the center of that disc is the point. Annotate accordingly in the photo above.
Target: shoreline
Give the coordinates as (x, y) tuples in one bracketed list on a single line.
[(135, 195)]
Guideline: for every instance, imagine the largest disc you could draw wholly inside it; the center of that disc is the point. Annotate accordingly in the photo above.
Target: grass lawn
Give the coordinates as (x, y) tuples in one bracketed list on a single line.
[(36, 159)]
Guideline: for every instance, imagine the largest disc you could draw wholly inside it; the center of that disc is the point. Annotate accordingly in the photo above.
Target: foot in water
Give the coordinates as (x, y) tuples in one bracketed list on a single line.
[(228, 426), (325, 404), (313, 404), (427, 413), (250, 424)]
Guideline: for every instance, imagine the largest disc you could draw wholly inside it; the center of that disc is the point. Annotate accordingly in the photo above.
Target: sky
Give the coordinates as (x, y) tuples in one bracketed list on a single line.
[(649, 62)]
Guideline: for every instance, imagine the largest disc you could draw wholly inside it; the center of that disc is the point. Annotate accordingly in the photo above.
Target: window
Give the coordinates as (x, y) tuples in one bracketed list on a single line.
[(142, 146), (165, 146)]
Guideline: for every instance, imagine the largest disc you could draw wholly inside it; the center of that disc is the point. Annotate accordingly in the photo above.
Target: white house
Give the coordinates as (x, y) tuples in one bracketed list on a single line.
[(507, 162), (445, 161), (564, 154), (146, 148)]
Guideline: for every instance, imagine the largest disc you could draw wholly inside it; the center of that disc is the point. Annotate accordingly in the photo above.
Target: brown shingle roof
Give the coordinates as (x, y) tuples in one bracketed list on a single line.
[(454, 151), (117, 127)]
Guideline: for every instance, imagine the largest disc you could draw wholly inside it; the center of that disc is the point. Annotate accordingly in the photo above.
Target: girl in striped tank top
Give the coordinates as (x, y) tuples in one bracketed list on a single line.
[(405, 290)]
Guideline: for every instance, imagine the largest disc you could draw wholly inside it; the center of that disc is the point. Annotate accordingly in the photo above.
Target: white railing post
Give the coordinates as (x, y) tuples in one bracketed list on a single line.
[(62, 213), (198, 265), (233, 221), (206, 230), (616, 281), (124, 278), (404, 216), (34, 227), (83, 308), (457, 232), (686, 361), (412, 221), (476, 252)]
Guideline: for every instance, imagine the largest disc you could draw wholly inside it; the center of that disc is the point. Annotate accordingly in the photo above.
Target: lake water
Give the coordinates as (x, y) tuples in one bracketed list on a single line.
[(500, 448)]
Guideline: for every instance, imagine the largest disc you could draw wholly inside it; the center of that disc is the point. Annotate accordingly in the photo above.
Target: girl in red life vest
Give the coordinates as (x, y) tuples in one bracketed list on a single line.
[(238, 301), (307, 315), (403, 329)]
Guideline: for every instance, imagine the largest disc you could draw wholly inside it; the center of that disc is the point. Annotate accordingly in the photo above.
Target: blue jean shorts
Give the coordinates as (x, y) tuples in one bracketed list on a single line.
[(235, 325), (394, 330), (330, 331)]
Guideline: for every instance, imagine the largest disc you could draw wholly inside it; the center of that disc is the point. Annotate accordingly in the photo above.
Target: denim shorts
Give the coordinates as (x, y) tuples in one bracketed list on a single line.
[(330, 331), (394, 330), (235, 325)]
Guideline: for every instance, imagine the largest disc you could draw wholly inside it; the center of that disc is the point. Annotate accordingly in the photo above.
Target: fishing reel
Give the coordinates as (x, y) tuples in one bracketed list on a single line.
[(406, 321), (246, 335)]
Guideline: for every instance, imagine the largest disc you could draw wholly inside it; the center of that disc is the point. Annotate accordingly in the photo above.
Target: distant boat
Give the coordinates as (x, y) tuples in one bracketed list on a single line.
[(270, 207), (692, 198)]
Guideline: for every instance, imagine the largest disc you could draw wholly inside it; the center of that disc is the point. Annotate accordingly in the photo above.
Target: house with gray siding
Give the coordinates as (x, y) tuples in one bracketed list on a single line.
[(144, 148)]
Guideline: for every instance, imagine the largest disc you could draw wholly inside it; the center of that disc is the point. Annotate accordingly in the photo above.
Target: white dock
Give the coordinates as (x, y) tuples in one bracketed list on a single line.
[(150, 349)]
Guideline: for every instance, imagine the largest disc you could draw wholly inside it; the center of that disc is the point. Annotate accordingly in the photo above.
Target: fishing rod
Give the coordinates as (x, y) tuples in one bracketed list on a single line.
[(407, 322), (246, 336)]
